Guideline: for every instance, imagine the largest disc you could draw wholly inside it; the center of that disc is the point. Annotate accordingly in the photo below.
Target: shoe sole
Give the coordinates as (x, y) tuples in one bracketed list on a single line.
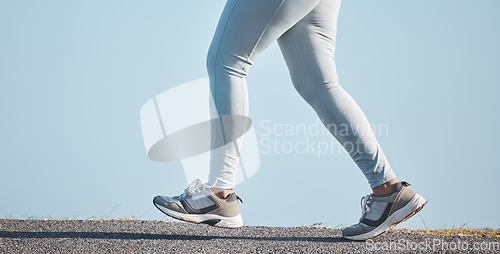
[(414, 206), (210, 219)]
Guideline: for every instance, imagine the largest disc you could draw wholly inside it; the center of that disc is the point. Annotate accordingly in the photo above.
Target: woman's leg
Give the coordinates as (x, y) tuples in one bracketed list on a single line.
[(246, 28), (308, 48)]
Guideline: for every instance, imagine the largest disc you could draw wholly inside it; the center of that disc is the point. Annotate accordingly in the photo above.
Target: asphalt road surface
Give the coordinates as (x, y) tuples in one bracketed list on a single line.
[(135, 236)]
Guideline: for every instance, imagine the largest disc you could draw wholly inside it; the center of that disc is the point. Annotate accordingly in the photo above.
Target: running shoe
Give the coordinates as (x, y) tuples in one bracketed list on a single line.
[(381, 213), (198, 204)]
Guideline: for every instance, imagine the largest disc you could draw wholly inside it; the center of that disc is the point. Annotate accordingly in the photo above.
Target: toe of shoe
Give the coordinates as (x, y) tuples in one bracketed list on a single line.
[(355, 230), (349, 231), (159, 200), (168, 203)]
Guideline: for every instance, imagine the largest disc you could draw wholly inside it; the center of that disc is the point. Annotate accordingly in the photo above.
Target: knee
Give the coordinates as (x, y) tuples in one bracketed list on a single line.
[(226, 63), (305, 90)]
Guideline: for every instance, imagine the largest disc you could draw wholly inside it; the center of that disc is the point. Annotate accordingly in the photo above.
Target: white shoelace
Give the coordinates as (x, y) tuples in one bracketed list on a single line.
[(194, 187), (365, 208)]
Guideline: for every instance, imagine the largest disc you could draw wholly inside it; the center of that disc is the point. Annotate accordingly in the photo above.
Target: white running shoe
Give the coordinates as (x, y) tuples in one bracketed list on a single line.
[(198, 204), (381, 213)]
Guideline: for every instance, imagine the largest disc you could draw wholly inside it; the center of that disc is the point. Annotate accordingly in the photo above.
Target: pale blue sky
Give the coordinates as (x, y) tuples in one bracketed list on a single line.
[(74, 75)]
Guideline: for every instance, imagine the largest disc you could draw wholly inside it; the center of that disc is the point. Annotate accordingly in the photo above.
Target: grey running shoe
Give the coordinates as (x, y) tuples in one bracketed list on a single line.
[(198, 204), (381, 213)]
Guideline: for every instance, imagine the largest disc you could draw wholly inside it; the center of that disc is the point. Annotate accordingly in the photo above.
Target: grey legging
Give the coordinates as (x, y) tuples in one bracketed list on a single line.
[(305, 30)]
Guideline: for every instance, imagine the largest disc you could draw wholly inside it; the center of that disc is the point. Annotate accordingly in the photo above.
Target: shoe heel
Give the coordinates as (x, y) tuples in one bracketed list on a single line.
[(414, 206), (418, 203), (230, 222)]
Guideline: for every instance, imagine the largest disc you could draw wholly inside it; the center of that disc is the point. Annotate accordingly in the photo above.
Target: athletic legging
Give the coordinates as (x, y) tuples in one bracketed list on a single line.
[(305, 31)]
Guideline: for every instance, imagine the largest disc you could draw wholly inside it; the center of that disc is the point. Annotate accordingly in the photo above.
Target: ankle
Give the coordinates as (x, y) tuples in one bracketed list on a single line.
[(386, 188), (221, 193)]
